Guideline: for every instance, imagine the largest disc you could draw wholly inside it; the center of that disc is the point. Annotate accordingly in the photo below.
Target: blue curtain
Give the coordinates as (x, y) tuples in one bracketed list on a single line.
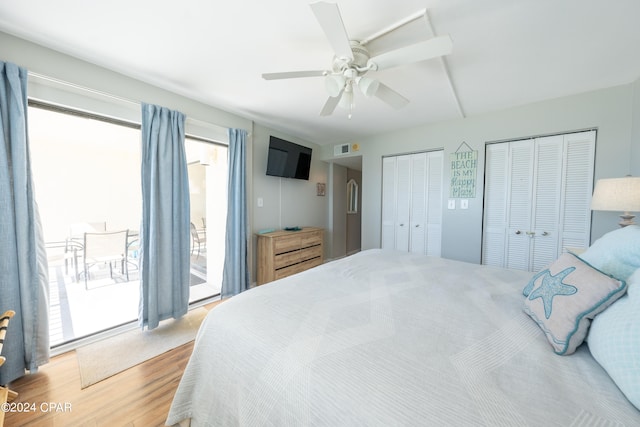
[(24, 284), (235, 276), (164, 233)]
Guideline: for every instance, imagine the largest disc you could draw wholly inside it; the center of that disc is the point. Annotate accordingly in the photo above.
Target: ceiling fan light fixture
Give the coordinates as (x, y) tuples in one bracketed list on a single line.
[(334, 84), (346, 101), (402, 43), (368, 86)]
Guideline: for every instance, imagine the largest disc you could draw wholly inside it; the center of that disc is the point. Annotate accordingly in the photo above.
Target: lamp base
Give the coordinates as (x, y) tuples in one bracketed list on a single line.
[(626, 219)]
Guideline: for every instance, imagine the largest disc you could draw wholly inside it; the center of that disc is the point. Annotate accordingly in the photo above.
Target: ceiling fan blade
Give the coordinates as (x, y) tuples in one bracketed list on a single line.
[(293, 74), (391, 97), (331, 104), (412, 29), (328, 15), (416, 52)]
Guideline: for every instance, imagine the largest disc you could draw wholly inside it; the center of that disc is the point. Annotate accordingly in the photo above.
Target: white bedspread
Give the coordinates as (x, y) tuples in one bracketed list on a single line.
[(384, 339)]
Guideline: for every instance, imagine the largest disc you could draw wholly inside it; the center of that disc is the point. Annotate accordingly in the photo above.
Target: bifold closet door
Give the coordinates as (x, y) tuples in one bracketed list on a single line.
[(435, 191), (537, 195), (412, 202), (388, 233), (403, 202)]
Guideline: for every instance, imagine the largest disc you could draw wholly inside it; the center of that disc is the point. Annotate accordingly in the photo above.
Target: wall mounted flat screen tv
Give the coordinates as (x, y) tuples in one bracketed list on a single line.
[(288, 160)]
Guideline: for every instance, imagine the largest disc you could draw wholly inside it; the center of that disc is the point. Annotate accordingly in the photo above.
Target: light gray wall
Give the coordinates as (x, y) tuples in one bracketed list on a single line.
[(608, 110), (287, 202), (53, 64), (635, 132)]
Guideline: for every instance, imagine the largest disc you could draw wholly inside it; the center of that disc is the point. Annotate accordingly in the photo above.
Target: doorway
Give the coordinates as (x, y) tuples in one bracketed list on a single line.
[(346, 206)]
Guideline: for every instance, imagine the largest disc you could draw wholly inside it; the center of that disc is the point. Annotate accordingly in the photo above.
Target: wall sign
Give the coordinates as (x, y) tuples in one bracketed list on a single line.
[(464, 168)]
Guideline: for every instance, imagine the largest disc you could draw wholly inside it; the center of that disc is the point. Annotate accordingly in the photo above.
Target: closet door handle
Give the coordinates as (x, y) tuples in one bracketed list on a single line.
[(544, 233), (518, 232), (417, 225)]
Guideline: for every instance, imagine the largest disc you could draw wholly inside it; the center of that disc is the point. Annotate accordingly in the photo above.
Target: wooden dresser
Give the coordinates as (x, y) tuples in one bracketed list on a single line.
[(283, 253)]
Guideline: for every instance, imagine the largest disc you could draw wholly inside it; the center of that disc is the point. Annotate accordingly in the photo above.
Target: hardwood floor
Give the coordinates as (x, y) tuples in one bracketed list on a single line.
[(139, 396)]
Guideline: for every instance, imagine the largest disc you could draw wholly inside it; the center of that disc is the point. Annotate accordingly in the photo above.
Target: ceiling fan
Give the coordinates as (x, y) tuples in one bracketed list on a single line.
[(405, 42)]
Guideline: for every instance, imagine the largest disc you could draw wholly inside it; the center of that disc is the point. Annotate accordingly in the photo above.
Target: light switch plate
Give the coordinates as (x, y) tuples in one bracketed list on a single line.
[(464, 204), (260, 202), (452, 204)]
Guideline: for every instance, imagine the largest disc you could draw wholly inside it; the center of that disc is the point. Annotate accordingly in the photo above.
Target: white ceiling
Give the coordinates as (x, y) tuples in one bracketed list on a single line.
[(505, 53)]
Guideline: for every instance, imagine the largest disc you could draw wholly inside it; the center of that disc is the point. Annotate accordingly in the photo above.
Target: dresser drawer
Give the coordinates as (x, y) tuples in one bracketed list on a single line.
[(310, 239), (295, 257), (310, 253), (297, 268), (285, 259), (287, 244)]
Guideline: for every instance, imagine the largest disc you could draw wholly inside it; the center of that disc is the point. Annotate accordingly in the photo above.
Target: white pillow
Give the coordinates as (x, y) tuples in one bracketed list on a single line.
[(563, 298), (617, 253), (614, 341)]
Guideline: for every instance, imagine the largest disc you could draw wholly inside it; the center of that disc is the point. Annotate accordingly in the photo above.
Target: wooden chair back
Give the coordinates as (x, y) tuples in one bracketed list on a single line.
[(4, 324)]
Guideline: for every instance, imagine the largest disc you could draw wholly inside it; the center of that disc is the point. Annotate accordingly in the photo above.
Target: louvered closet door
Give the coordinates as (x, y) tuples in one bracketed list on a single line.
[(418, 210), (520, 175), (537, 196), (577, 187), (388, 202), (403, 202), (412, 202), (435, 167), (545, 205), (495, 202)]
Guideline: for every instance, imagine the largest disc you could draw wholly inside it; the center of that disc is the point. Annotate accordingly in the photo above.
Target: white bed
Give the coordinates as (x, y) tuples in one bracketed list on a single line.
[(385, 338)]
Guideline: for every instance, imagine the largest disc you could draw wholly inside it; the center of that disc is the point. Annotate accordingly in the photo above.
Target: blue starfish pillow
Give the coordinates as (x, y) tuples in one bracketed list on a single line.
[(563, 299)]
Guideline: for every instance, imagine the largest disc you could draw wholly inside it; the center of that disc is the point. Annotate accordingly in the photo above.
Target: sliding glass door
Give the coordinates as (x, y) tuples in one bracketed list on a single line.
[(87, 183), (207, 164), (86, 172)]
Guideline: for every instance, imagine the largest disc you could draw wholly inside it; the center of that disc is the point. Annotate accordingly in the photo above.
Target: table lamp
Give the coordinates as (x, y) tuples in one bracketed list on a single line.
[(618, 194)]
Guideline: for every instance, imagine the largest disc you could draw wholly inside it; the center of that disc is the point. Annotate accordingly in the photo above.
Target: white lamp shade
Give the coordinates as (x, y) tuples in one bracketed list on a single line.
[(617, 194), (334, 84), (368, 86)]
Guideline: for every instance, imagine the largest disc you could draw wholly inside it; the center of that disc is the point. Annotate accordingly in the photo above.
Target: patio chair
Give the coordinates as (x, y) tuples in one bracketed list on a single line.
[(62, 251), (105, 248), (197, 240)]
